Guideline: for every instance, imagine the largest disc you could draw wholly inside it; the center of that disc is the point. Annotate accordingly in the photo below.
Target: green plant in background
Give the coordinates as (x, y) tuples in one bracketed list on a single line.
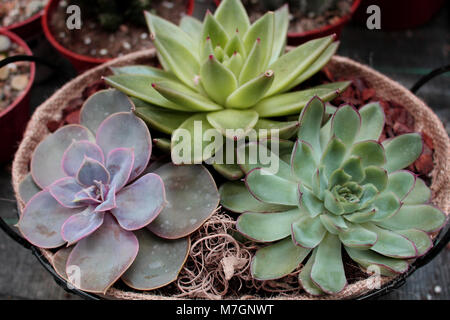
[(342, 189), (112, 13), (91, 196), (227, 74)]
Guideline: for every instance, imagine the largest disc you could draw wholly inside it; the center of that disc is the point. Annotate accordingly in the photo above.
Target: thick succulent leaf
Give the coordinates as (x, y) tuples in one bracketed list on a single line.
[(231, 15), (332, 204), (188, 138), (333, 156), (401, 183), (372, 122), (316, 66), (310, 123), (266, 262), (361, 216), (421, 240), (46, 161), (103, 257), (234, 63), (119, 164), (293, 102), (386, 204), (304, 277), (213, 29), (270, 188), (280, 32), (328, 269), (267, 227), (125, 130), (308, 232), (139, 204), (233, 124), (235, 197), (81, 225), (192, 197), (334, 224), (28, 188), (303, 163), (391, 244), (311, 202), (353, 167), (162, 120), (254, 64), (291, 65), (422, 217), (59, 261), (319, 183), (101, 105), (155, 73), (419, 194), (192, 26), (229, 171), (139, 86), (262, 29), (158, 263), (248, 94), (376, 176), (402, 151), (235, 46), (109, 199), (345, 124), (371, 153), (74, 156), (218, 81), (191, 100), (284, 129), (42, 219), (358, 237), (91, 171), (175, 47), (367, 259), (162, 144), (368, 196), (338, 177), (64, 191)]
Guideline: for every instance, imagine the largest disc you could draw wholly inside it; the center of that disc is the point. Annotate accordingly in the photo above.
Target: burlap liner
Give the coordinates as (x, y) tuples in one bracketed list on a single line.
[(425, 121)]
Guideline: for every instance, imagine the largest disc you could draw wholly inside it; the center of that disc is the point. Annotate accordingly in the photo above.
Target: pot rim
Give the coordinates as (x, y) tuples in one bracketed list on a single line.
[(76, 56), (14, 26), (15, 38)]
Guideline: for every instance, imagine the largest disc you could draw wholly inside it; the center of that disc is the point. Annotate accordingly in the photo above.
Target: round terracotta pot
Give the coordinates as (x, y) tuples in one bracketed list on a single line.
[(14, 118), (425, 120), (401, 14), (27, 28), (297, 38), (80, 62)]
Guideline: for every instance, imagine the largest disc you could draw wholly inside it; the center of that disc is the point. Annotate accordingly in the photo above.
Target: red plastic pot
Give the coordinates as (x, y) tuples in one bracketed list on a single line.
[(80, 62), (27, 28), (297, 38), (401, 14), (14, 118)]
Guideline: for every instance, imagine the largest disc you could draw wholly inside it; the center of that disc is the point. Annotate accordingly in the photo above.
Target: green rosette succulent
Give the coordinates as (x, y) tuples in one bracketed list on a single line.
[(226, 74), (342, 189), (93, 198)]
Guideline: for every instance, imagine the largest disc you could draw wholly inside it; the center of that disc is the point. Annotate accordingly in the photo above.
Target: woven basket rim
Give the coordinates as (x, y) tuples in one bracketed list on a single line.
[(36, 131)]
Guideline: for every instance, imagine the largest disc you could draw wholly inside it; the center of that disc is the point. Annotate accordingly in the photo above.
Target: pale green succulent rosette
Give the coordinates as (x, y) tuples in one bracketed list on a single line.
[(342, 189), (227, 74)]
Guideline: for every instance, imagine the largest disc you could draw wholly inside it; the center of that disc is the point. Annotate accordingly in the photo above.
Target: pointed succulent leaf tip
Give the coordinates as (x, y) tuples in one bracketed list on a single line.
[(42, 219), (46, 161), (102, 257), (192, 197), (125, 130), (214, 30), (81, 225), (92, 171), (232, 16), (65, 191), (74, 156), (254, 64), (348, 193), (158, 263), (101, 105), (140, 203)]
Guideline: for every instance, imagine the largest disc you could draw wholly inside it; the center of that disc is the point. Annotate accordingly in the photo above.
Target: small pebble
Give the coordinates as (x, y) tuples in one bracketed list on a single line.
[(437, 289), (5, 43), (93, 52), (19, 82), (103, 52), (33, 7), (126, 45), (4, 73), (144, 36), (429, 297), (87, 41), (62, 34), (63, 3), (168, 5)]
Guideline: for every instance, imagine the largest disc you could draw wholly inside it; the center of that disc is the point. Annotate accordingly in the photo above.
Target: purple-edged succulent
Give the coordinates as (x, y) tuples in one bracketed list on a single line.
[(99, 200)]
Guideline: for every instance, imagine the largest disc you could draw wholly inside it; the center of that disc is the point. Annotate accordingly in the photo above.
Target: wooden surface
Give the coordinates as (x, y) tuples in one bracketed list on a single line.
[(403, 55)]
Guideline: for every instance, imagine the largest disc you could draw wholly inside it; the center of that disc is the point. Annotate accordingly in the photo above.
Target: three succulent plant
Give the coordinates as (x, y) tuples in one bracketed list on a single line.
[(226, 74), (342, 189), (116, 219)]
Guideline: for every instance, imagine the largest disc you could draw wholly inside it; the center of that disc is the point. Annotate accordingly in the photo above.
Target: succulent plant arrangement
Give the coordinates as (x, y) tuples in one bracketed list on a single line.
[(342, 190), (226, 74), (90, 190)]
